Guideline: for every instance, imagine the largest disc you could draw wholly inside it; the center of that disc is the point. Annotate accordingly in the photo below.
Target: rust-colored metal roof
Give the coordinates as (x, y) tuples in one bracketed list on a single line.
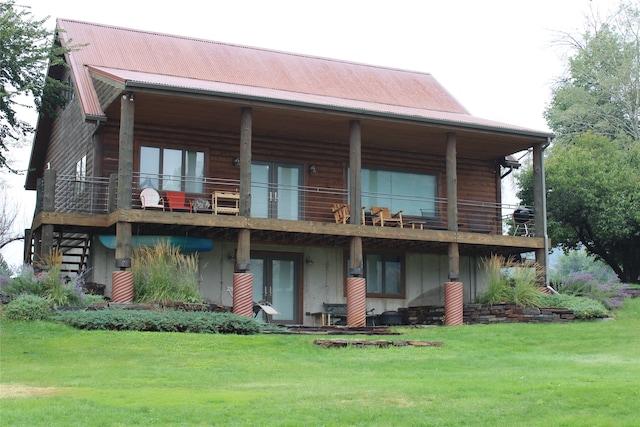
[(139, 58)]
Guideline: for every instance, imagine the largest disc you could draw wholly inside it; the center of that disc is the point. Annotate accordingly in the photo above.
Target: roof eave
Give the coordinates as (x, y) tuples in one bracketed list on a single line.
[(131, 85)]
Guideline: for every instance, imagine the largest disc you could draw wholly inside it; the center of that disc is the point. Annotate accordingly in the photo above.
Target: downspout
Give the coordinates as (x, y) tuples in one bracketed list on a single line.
[(544, 220)]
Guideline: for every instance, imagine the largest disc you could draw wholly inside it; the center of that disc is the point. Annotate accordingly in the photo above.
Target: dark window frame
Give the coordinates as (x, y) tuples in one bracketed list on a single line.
[(386, 257)]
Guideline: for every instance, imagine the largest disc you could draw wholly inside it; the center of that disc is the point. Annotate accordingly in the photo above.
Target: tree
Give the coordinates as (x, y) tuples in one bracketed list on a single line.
[(8, 217), (593, 167), (27, 50), (601, 89), (579, 262)]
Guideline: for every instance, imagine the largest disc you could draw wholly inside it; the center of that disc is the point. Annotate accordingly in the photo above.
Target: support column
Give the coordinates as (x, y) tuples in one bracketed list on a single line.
[(48, 205), (452, 205), (242, 278), (125, 151), (122, 280), (356, 283), (538, 200), (454, 301), (355, 171)]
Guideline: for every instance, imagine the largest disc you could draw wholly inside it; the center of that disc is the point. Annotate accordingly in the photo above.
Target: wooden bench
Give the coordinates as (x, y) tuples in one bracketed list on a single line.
[(330, 313)]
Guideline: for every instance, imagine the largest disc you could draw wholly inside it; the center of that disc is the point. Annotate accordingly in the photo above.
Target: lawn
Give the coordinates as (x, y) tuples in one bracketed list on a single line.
[(583, 373)]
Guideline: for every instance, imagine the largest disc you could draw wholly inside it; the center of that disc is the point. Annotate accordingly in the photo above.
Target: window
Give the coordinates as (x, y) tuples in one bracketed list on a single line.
[(411, 193), (81, 174), (384, 274), (171, 169)]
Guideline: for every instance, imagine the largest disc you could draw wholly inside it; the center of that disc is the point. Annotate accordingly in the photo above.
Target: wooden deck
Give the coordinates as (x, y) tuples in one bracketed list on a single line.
[(263, 230)]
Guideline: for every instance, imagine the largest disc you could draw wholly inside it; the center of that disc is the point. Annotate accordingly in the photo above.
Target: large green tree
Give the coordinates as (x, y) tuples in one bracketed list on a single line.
[(600, 92), (593, 166), (26, 49)]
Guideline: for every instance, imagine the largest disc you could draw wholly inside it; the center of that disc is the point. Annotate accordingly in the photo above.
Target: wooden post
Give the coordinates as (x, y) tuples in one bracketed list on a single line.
[(246, 124), (28, 241), (123, 244), (243, 253), (49, 191), (125, 153), (355, 170), (242, 279), (452, 205), (356, 284), (452, 183), (112, 202), (125, 179), (538, 205), (48, 205)]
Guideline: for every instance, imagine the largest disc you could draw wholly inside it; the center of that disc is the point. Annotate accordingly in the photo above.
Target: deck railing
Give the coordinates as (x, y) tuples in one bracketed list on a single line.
[(98, 195)]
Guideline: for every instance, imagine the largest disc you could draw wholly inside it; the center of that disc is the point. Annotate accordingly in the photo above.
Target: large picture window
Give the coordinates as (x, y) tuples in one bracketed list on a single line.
[(412, 193), (171, 169), (384, 274)]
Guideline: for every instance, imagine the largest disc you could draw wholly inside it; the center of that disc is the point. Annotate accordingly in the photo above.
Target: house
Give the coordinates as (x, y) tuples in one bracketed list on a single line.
[(349, 182)]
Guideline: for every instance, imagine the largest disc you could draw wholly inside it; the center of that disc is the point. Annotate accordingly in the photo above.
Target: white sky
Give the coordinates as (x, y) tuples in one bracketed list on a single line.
[(497, 57)]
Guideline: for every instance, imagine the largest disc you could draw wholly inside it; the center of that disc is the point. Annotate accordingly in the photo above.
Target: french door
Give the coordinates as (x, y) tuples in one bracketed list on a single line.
[(275, 190), (276, 279)]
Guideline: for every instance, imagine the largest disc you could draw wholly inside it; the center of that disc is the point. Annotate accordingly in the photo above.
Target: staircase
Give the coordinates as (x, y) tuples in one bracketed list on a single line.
[(75, 249)]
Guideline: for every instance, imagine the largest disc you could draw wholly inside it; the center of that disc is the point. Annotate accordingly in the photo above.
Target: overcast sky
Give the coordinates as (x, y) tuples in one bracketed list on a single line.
[(499, 58)]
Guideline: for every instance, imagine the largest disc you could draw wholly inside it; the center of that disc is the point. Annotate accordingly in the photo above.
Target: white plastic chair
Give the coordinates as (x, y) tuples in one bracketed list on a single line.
[(149, 198)]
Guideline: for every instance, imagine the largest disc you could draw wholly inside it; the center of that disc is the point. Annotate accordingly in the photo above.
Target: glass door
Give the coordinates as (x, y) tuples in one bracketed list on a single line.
[(275, 190), (276, 279)]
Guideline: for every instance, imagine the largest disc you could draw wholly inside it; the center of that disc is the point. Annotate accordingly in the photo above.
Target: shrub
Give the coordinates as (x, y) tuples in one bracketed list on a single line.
[(582, 307), (49, 284), (524, 290), (511, 282), (497, 285), (610, 294), (26, 282), (28, 307), (160, 321), (162, 273)]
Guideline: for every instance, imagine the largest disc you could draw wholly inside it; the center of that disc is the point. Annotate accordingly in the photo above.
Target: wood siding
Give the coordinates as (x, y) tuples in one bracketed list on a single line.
[(476, 178), (70, 140)]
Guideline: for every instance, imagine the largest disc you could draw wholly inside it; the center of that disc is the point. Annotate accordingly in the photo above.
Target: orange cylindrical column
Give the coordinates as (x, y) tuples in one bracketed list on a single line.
[(356, 301), (453, 303), (122, 286), (243, 294)]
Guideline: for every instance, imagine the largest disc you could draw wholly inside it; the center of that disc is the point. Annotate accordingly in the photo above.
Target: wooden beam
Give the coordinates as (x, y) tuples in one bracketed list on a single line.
[(125, 153), (452, 205), (355, 170), (125, 178), (538, 205), (245, 161), (123, 241), (452, 183), (243, 252)]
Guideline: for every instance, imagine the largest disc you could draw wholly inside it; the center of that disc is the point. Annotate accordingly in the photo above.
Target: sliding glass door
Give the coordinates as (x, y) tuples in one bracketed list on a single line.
[(275, 190), (276, 279)]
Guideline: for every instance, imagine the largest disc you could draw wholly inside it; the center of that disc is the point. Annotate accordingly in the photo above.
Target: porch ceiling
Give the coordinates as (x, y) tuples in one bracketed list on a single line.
[(320, 125)]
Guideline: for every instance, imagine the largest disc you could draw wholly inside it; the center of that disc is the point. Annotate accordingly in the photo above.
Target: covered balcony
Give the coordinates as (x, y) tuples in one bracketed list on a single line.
[(298, 215)]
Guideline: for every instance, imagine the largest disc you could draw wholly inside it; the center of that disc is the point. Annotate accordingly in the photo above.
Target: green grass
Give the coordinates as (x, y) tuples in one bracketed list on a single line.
[(570, 374)]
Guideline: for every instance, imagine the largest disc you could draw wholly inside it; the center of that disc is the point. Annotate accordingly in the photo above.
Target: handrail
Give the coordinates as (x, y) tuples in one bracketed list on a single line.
[(93, 195)]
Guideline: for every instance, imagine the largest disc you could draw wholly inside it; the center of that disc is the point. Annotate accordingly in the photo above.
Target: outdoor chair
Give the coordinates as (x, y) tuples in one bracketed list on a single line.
[(342, 213), (383, 214), (226, 203), (177, 201), (150, 199)]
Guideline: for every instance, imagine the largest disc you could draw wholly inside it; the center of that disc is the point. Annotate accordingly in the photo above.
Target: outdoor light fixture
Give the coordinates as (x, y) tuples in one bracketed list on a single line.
[(313, 170), (236, 162)]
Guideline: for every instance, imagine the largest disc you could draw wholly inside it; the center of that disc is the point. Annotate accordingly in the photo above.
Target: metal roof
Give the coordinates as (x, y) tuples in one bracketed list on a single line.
[(147, 59)]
